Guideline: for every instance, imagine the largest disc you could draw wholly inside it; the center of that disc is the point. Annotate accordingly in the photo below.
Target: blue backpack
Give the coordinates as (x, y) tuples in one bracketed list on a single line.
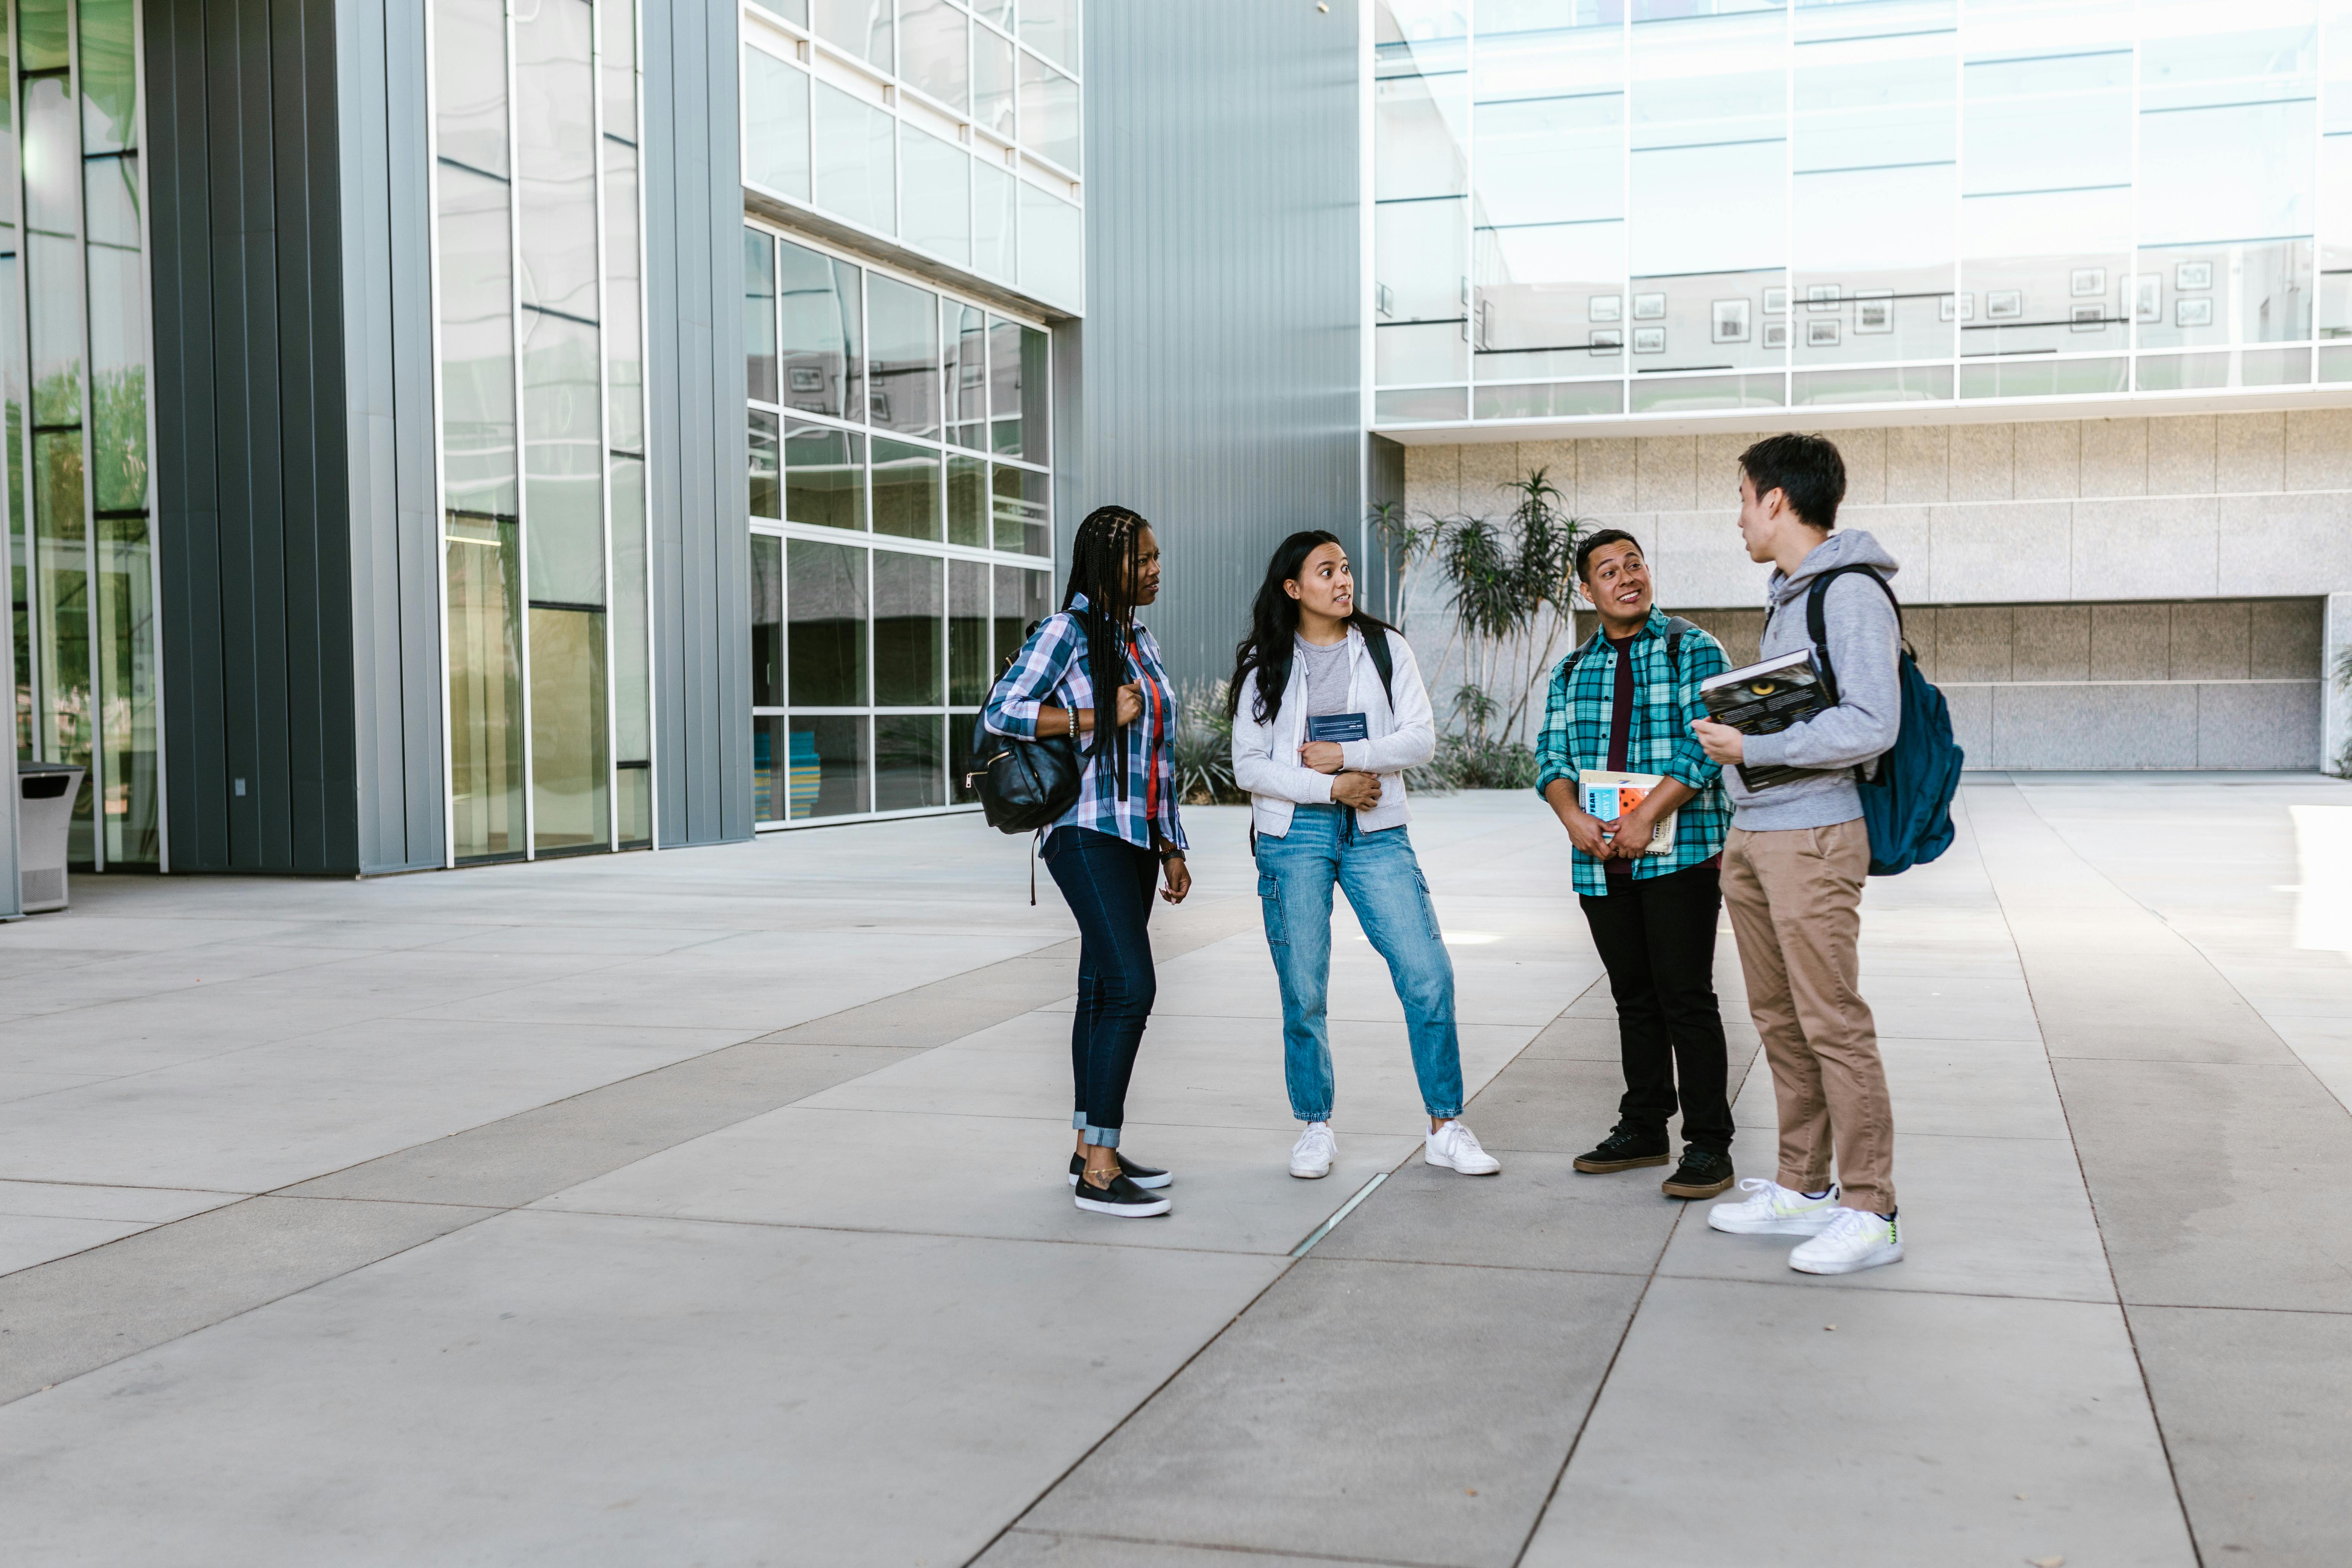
[(1907, 801)]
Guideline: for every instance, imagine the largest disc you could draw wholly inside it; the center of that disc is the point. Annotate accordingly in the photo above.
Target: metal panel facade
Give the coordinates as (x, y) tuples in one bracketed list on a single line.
[(1223, 296)]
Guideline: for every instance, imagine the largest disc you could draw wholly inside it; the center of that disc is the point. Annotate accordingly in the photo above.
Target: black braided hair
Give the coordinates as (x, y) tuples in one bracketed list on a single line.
[(1273, 627), (1103, 559)]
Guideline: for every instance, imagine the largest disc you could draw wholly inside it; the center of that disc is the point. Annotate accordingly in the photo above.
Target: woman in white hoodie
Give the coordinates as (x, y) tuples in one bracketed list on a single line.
[(1325, 721)]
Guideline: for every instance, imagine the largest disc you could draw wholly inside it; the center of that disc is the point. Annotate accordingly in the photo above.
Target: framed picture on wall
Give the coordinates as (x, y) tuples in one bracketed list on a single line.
[(1649, 307), (1874, 311), (2192, 312), (1731, 321), (1776, 301), (1649, 340), (1776, 335), (1823, 334), (1608, 341), (2088, 318), (2004, 304), (1605, 308), (2148, 297), (1823, 296), (1957, 307), (2088, 280), (2191, 275)]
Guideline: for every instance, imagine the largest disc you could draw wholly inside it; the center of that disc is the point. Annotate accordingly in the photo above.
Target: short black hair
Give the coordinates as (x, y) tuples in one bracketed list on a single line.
[(1805, 468), (1594, 541)]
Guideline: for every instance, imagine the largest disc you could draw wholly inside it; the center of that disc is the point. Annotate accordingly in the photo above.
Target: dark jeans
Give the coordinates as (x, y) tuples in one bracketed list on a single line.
[(1108, 885), (1657, 936)]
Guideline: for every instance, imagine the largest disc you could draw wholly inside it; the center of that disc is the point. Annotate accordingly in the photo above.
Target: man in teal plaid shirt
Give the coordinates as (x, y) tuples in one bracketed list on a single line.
[(1624, 703)]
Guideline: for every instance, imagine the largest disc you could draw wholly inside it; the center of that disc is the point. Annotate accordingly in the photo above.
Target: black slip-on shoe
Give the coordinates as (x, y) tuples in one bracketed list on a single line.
[(1122, 1199), (1142, 1175), (1701, 1174), (1625, 1149)]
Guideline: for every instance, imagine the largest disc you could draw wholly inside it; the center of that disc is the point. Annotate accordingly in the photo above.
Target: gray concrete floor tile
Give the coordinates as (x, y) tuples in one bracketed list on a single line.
[(1547, 1105), (1983, 1089), (2252, 1405), (1905, 1435), (146, 1206), (27, 1240), (1268, 1442), (835, 1401), (1538, 1214), (1033, 1549)]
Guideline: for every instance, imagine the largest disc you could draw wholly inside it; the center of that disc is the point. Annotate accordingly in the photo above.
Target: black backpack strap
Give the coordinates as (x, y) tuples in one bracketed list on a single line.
[(1376, 643), (1817, 625), (1675, 627)]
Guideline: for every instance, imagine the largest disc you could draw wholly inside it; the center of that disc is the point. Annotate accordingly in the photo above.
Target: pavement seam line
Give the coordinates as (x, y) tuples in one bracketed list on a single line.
[(1235, 1550)]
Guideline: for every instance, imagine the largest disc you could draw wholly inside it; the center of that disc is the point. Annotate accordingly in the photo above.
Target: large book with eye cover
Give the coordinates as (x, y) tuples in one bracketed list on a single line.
[(1764, 699)]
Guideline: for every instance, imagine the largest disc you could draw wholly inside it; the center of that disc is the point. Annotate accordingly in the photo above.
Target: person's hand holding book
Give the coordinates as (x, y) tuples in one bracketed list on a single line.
[(1721, 743)]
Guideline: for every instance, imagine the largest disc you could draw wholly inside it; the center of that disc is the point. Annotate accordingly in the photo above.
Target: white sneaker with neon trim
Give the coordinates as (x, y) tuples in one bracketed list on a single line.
[(1772, 1209), (1855, 1239), (1455, 1147)]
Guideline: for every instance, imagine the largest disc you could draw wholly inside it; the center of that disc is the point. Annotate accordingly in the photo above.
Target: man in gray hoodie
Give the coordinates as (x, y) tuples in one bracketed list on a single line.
[(1794, 867)]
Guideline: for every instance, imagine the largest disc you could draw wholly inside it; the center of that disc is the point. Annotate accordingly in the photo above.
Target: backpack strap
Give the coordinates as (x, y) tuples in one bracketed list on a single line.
[(1383, 662), (1675, 627), (1817, 625)]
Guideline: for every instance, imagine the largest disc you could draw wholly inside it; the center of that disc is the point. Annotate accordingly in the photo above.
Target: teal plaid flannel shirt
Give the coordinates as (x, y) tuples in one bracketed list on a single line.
[(1575, 737)]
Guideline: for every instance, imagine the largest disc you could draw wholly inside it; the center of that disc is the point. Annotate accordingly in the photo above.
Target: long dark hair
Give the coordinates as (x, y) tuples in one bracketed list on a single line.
[(1273, 627), (1103, 559)]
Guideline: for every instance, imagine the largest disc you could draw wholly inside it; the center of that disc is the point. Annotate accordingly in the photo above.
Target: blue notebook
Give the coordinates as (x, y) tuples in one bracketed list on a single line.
[(1337, 727)]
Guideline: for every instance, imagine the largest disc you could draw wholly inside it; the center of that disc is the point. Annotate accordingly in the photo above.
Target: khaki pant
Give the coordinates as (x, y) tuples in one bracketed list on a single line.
[(1795, 897)]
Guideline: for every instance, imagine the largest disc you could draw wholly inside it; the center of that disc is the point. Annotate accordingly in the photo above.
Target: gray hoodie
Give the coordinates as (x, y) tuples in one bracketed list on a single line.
[(1864, 639)]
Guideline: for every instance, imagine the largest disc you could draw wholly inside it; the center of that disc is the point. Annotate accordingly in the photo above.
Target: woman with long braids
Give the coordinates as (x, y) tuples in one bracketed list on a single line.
[(1107, 851), (1329, 711)]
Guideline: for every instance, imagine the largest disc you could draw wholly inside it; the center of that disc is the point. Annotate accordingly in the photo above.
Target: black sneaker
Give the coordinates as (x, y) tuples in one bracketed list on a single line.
[(1142, 1175), (1701, 1174), (1122, 1198), (1625, 1149)]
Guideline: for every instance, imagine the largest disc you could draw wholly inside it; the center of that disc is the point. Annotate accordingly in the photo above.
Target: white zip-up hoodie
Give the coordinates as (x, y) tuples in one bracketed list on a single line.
[(1397, 737)]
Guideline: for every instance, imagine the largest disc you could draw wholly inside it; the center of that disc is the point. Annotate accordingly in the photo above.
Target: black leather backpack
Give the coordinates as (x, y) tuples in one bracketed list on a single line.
[(1023, 784)]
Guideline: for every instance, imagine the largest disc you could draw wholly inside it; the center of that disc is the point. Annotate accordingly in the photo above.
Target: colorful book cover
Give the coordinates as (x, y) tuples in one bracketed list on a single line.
[(1610, 795)]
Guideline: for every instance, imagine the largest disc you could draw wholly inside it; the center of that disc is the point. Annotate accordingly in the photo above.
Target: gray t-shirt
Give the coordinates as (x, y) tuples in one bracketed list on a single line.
[(1327, 677)]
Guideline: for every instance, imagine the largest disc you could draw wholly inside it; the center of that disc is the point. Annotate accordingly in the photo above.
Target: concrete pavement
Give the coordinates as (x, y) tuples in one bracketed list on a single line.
[(708, 1207)]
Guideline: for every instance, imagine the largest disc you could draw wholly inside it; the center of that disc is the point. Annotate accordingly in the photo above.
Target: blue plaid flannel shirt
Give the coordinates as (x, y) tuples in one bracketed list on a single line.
[(1051, 668), (1575, 737)]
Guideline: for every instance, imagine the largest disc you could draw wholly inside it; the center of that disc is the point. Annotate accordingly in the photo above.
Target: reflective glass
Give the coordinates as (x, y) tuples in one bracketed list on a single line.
[(625, 367), (2197, 296), (61, 606), (967, 501), (771, 771), (1550, 400), (766, 496), (909, 761), (1051, 28), (110, 87), (19, 581), (964, 788), (53, 252), (1023, 599), (859, 27), (1049, 113), (1550, 303), (1053, 247), (992, 207), (1419, 405), (1685, 394), (992, 88), (469, 85), (571, 766), (555, 153), (906, 490), (1020, 382), (825, 476), (938, 197), (632, 684), (2042, 376), (1551, 160), (819, 303), (1874, 254), (965, 338), (1709, 320), (119, 349), (934, 52), (563, 464), (902, 326), (793, 11), (775, 125), (856, 169), (477, 386), (2044, 272), (41, 35), (1873, 384), (997, 11), (128, 737), (909, 630), (760, 315), (485, 631), (767, 621), (824, 609), (616, 60), (1420, 263), (1407, 353), (828, 757), (969, 673), (1024, 511)]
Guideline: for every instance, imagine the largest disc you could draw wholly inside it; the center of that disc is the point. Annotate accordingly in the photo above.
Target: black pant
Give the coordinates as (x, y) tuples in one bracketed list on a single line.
[(1657, 937), (1108, 884)]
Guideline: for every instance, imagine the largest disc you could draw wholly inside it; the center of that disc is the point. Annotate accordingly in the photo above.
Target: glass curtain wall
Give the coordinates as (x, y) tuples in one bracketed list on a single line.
[(74, 335), (902, 528), (952, 126), (1599, 207), (543, 406)]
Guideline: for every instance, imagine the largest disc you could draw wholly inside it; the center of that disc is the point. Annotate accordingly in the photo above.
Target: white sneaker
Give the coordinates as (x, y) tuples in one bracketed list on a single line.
[(1312, 1155), (1456, 1148), (1856, 1238), (1772, 1209)]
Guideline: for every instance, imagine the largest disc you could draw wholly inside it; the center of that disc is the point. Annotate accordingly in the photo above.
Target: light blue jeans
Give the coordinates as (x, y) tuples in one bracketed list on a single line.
[(1296, 874)]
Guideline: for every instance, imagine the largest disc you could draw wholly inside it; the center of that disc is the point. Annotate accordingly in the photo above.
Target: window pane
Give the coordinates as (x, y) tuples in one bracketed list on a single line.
[(1550, 303), (624, 297), (825, 476), (1049, 113), (1051, 28), (1419, 262), (1053, 247), (767, 621), (967, 501), (1024, 511), (770, 770), (570, 773), (41, 33), (477, 389), (110, 93), (933, 50), (469, 85), (1553, 159), (993, 199), (563, 462), (126, 675), (828, 761), (766, 498), (966, 336), (906, 490), (1019, 383), (909, 761), (632, 697), (775, 125), (856, 171), (759, 314), (555, 150), (903, 355), (909, 610), (616, 41), (824, 356), (938, 197), (118, 338), (991, 82), (485, 687), (825, 603), (793, 11), (52, 217), (962, 788), (1419, 115), (860, 27), (968, 665), (1023, 599)]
